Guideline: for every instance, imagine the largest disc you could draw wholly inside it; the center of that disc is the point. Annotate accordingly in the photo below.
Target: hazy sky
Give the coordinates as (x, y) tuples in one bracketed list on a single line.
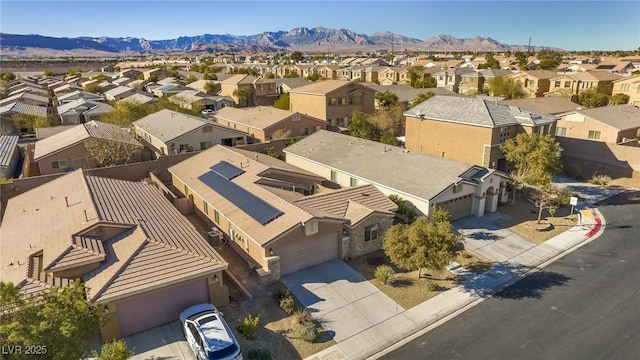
[(571, 25)]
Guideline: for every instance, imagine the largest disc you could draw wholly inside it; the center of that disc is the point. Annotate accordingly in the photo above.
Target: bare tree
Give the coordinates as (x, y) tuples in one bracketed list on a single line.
[(111, 153)]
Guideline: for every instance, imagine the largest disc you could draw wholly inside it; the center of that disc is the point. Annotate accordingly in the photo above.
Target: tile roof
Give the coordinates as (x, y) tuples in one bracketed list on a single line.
[(190, 171), (77, 94), (156, 246), (26, 96), (80, 133), (478, 112), (45, 132), (541, 74), (167, 125), (259, 117), (119, 90), (22, 108), (552, 105), (239, 79), (423, 176), (619, 117), (138, 98), (322, 87), (8, 146), (83, 105), (353, 203), (407, 92)]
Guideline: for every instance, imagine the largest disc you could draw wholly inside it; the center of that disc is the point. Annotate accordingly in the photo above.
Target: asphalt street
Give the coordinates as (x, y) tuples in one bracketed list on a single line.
[(584, 306)]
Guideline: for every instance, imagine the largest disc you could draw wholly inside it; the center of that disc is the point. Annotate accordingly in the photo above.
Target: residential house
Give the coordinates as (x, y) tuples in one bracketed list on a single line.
[(138, 257), (551, 105), (259, 204), (477, 82), (199, 85), (261, 91), (470, 129), (26, 98), (610, 124), (9, 155), (406, 93), (332, 100), (192, 99), (571, 85), (165, 90), (123, 81), (45, 132), (616, 66), (629, 86), (8, 111), (119, 93), (450, 78), (78, 94), (139, 98), (424, 180), (132, 74), (81, 111), (169, 132), (69, 149), (535, 83), (262, 121), (155, 74), (286, 84)]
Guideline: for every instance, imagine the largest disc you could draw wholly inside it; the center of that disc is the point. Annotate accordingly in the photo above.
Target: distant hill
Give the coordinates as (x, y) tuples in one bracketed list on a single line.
[(318, 39)]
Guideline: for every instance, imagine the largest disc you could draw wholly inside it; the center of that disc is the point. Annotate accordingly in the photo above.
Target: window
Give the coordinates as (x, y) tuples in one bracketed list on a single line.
[(334, 176), (444, 154), (356, 100), (371, 233), (304, 131), (532, 83), (558, 83), (205, 207), (567, 84), (354, 182), (343, 101), (333, 101), (594, 135), (561, 131), (216, 216), (80, 163), (205, 145), (61, 164)]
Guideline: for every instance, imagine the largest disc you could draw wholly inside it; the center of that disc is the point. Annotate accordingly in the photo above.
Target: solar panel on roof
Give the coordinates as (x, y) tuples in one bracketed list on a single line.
[(227, 170), (250, 204)]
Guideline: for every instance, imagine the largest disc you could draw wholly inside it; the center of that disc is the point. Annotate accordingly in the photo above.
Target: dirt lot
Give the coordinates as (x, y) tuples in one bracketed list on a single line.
[(410, 290)]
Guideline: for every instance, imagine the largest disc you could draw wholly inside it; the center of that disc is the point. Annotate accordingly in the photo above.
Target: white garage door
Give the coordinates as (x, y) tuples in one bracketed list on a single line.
[(308, 253), (148, 311), (458, 207)]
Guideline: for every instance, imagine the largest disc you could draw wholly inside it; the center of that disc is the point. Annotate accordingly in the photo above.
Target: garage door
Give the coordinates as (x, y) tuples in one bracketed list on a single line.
[(148, 311), (458, 207), (307, 253)]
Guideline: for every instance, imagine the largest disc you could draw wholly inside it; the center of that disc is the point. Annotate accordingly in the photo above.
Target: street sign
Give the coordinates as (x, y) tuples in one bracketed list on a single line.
[(573, 201)]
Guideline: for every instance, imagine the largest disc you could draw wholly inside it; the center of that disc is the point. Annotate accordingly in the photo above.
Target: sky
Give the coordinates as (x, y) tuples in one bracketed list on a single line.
[(570, 25)]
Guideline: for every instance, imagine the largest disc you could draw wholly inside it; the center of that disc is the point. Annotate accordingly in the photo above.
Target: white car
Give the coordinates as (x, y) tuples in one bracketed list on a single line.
[(207, 112), (208, 334)]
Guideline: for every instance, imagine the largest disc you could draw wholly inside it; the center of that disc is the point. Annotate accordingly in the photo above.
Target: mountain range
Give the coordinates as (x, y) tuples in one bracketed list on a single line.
[(318, 39)]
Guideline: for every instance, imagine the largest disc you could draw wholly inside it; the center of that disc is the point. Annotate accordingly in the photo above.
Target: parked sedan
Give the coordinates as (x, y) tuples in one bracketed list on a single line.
[(208, 334)]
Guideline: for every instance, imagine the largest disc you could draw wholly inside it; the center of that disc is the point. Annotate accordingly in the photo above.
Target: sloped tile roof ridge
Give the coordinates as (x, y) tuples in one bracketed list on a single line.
[(88, 243)]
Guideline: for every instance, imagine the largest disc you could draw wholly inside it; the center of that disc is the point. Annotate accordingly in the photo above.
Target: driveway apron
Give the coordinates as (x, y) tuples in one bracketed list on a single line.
[(343, 301)]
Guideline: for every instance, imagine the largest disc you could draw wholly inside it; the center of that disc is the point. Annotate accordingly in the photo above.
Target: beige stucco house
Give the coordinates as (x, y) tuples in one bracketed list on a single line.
[(263, 91), (426, 181), (535, 83), (135, 253), (332, 100), (170, 132), (262, 121), (629, 86), (262, 207), (470, 129), (611, 124)]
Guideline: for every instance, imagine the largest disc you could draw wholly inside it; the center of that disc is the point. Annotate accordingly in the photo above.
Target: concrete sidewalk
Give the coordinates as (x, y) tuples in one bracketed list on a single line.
[(518, 260)]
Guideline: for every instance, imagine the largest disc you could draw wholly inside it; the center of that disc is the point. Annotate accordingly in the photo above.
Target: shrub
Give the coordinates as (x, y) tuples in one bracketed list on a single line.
[(249, 327), (286, 301), (600, 179), (431, 286), (385, 274), (259, 354), (303, 317), (309, 333), (563, 197)]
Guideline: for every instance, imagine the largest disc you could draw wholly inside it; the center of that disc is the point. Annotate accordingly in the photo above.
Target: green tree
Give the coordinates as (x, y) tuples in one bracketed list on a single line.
[(535, 159), (114, 350), (210, 87), (360, 127), (7, 76), (61, 319), (282, 102), (126, 112), (389, 139), (549, 59), (210, 76), (244, 95), (428, 81), (387, 120), (619, 99), (93, 88), (592, 98), (491, 62), (421, 98), (522, 58), (405, 208), (505, 87), (28, 123), (296, 56), (415, 74), (190, 79), (548, 64), (314, 77), (386, 99), (422, 244), (48, 72)]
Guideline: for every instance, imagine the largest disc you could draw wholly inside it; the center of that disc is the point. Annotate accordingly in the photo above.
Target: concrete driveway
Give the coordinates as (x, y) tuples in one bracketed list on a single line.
[(342, 300), (163, 342), (492, 242)]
